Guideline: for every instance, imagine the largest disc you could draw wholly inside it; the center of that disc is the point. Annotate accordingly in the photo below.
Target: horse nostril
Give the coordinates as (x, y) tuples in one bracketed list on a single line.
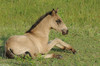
[(64, 31)]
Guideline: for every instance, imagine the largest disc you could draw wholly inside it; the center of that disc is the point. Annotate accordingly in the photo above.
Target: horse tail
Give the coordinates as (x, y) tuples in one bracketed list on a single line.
[(9, 52)]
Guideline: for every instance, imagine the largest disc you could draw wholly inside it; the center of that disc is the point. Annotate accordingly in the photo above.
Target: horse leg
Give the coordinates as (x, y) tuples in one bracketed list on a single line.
[(52, 43), (65, 46), (52, 56), (58, 45), (61, 44)]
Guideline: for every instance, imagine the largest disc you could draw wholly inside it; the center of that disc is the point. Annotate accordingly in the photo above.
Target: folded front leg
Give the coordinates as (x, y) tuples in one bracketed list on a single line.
[(61, 44), (64, 45)]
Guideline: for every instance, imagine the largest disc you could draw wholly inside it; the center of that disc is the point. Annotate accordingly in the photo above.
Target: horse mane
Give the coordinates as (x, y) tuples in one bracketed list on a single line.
[(38, 21)]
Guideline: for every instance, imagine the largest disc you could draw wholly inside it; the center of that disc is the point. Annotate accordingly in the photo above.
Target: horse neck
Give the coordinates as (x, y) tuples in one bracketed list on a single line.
[(43, 28)]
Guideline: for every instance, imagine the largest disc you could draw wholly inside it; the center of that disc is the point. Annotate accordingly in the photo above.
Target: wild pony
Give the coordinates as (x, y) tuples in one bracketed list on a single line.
[(35, 40)]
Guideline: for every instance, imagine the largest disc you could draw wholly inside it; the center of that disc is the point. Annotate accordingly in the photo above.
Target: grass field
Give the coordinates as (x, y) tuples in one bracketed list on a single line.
[(82, 17)]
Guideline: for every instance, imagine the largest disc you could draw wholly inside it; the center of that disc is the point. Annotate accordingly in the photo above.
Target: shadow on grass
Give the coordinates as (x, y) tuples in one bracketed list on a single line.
[(2, 48), (2, 51), (60, 50)]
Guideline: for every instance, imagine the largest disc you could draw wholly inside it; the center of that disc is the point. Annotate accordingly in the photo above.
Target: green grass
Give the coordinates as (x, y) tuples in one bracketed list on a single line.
[(82, 17)]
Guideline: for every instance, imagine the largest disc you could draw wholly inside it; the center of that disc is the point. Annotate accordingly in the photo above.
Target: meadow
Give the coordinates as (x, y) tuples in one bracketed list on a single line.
[(82, 17)]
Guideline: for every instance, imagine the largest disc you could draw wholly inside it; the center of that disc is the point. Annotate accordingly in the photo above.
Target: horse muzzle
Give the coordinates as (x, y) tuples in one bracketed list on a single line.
[(64, 32)]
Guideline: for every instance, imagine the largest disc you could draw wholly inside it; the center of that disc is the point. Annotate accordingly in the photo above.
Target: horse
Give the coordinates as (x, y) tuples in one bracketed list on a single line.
[(35, 40)]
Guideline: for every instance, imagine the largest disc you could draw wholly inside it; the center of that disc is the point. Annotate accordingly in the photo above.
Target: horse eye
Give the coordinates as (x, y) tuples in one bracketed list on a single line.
[(58, 21)]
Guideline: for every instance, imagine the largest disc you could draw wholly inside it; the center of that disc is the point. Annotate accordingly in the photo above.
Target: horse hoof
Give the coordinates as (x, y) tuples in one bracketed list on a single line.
[(74, 51), (58, 56)]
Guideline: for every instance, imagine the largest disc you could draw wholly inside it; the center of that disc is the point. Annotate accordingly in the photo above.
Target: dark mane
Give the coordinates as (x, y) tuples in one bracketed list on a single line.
[(38, 21)]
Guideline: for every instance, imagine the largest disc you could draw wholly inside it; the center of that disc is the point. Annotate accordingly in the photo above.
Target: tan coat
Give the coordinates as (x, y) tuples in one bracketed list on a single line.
[(35, 40)]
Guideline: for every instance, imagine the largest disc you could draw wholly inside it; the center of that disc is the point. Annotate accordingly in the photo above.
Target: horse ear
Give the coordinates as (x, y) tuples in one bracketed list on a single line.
[(53, 9), (53, 12), (56, 10)]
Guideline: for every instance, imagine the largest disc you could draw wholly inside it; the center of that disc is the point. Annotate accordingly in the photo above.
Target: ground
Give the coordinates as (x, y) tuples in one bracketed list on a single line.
[(82, 17)]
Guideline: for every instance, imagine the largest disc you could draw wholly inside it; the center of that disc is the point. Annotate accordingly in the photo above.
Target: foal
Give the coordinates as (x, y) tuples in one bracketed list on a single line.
[(35, 40)]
